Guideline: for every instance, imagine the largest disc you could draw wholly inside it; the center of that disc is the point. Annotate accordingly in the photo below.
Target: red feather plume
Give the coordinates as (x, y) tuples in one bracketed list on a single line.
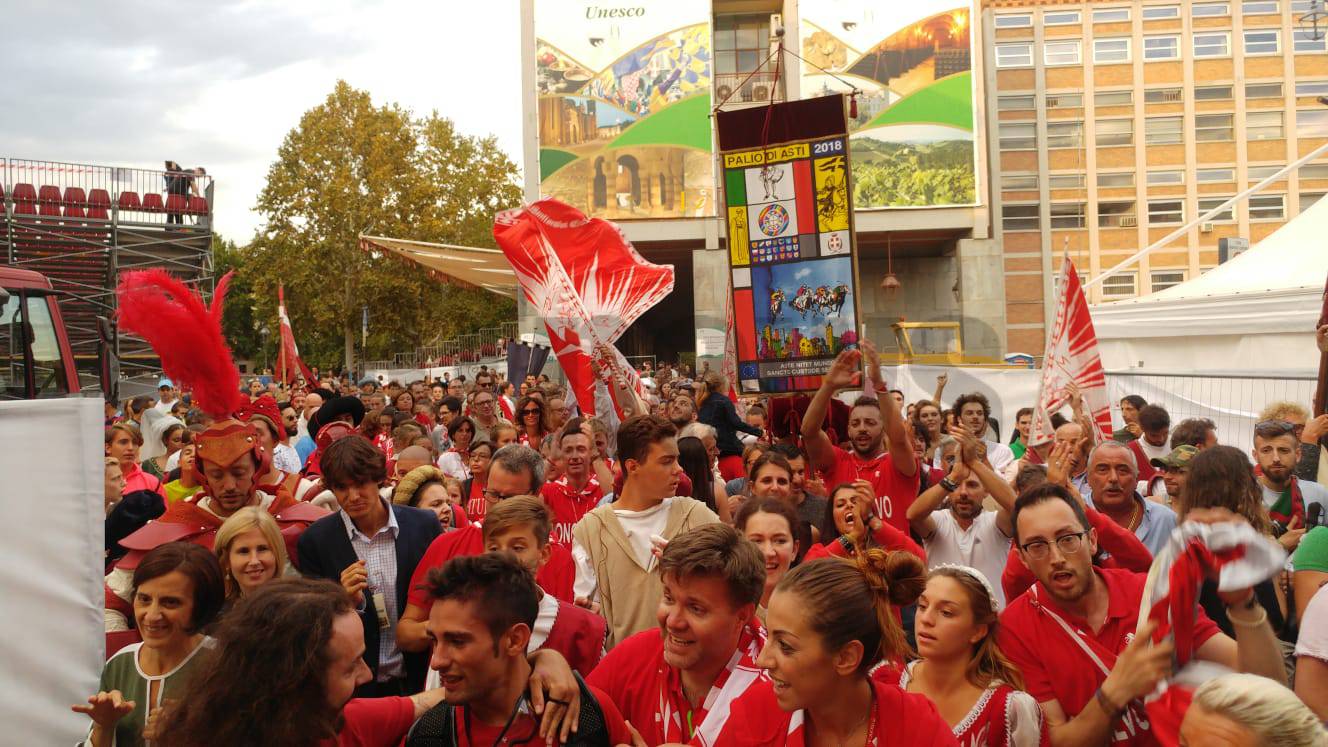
[(185, 333)]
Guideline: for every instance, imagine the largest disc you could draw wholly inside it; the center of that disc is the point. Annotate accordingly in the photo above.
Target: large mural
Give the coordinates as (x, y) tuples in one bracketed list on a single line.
[(912, 140), (624, 105)]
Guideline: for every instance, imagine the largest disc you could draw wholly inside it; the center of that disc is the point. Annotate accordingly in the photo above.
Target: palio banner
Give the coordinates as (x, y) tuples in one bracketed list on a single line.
[(912, 141), (624, 107), (790, 240)]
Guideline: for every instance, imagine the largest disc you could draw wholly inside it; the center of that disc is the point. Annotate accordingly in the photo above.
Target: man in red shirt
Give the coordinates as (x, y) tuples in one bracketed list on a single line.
[(515, 470), (483, 613), (676, 684), (578, 490), (1072, 634), (880, 449)]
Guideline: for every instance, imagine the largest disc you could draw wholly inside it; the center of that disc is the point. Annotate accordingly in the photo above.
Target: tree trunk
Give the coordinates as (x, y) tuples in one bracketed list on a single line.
[(349, 332)]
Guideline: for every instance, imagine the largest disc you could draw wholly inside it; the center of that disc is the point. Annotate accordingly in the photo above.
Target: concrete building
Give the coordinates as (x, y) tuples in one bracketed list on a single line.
[(1113, 123)]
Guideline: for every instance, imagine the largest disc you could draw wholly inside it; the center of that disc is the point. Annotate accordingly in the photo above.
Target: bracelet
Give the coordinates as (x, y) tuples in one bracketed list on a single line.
[(1255, 623), (1107, 706), (949, 485)]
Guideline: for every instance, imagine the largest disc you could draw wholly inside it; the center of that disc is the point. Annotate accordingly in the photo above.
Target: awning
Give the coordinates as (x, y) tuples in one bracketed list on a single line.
[(463, 265)]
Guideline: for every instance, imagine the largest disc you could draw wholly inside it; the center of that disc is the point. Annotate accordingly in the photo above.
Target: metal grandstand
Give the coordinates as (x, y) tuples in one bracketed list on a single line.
[(81, 225)]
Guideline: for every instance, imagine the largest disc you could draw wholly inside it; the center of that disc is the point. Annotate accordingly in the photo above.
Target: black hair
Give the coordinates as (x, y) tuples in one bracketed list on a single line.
[(503, 590)]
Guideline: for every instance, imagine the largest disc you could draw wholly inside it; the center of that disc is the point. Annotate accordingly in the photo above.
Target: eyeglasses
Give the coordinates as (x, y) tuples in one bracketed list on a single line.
[(531, 412), (481, 402), (495, 496), (1068, 544)]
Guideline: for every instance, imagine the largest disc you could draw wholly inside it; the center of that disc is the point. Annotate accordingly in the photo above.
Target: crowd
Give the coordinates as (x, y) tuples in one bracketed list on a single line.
[(471, 561)]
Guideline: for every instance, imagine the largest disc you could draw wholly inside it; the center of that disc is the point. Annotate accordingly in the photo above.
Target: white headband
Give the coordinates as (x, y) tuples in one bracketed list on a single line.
[(975, 573)]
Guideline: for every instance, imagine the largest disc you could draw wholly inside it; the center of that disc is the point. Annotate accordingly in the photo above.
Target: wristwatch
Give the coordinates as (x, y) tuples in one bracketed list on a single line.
[(949, 485)]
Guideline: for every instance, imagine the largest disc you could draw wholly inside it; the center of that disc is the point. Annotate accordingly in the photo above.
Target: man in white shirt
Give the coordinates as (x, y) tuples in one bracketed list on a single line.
[(166, 396), (973, 410), (965, 533)]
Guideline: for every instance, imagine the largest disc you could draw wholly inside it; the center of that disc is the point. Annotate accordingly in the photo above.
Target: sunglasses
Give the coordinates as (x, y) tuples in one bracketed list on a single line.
[(1277, 427)]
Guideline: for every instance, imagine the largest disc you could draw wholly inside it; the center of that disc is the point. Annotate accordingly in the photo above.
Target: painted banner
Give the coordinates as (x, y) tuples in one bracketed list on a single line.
[(624, 107), (913, 137), (1071, 356), (791, 248)]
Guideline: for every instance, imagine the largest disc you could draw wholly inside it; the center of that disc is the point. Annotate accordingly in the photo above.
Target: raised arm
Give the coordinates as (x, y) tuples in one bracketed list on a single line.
[(842, 374), (942, 379), (896, 430), (920, 510)]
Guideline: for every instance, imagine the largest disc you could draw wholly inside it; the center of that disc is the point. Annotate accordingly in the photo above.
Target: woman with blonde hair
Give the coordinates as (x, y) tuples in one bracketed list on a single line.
[(251, 551), (715, 409), (1246, 710), (961, 669)]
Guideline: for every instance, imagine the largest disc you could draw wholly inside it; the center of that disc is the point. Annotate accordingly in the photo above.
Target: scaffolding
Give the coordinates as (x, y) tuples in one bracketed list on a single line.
[(81, 225)]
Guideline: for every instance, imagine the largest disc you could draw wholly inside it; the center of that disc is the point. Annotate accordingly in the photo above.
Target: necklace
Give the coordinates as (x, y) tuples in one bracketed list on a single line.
[(1136, 516)]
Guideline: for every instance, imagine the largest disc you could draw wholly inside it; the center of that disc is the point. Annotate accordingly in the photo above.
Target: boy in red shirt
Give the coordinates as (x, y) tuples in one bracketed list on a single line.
[(484, 610), (676, 684), (1073, 634), (579, 489), (881, 452)]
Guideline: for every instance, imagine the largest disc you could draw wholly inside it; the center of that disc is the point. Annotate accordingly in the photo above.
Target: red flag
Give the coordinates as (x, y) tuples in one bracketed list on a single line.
[(1071, 356), (290, 365), (586, 282)]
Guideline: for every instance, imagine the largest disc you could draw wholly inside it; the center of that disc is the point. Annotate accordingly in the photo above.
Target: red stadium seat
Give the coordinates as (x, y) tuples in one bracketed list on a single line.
[(175, 204), (48, 200), (152, 203), (129, 201), (75, 196), (99, 204), (197, 205), (75, 211)]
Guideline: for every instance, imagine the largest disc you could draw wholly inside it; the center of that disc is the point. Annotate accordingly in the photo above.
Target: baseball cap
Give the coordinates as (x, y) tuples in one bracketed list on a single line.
[(1179, 457), (165, 382)]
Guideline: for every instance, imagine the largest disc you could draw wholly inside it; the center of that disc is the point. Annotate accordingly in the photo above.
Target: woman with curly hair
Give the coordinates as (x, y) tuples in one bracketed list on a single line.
[(532, 421)]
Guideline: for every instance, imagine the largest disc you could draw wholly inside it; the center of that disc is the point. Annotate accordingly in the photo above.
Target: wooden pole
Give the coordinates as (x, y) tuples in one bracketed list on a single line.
[(1321, 390)]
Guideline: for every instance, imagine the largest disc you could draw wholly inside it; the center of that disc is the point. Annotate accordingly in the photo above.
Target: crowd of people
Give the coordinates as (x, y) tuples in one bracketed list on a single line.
[(472, 560)]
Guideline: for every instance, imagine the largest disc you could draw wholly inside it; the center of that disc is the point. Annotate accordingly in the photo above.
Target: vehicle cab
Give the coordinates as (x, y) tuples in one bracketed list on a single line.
[(36, 361)]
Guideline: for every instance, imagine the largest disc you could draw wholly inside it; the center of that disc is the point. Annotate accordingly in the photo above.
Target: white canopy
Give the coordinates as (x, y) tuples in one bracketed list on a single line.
[(1254, 312)]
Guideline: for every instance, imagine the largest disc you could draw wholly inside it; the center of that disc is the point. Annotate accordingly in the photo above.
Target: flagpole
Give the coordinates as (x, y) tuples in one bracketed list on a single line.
[(281, 358)]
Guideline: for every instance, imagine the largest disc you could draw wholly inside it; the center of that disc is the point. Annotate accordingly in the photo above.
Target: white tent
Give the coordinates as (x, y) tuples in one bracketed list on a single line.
[(1255, 312)]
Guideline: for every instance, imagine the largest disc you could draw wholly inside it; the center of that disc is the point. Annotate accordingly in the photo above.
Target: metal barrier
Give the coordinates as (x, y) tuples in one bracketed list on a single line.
[(95, 193)]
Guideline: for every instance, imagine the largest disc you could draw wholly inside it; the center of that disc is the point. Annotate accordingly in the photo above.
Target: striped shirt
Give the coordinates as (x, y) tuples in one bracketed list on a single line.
[(379, 554)]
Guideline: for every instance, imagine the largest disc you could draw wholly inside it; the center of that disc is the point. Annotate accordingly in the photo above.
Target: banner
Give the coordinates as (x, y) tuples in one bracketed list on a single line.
[(913, 137), (290, 366), (791, 245), (586, 283), (1071, 356), (624, 107)]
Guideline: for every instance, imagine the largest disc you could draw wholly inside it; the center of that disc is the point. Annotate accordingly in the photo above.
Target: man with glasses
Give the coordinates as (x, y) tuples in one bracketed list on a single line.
[(486, 382), (559, 412), (1072, 634), (482, 412), (515, 470), (1287, 497)]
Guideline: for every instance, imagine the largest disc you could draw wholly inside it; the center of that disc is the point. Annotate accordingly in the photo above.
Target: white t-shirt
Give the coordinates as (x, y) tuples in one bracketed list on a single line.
[(984, 546), (1313, 639), (639, 526), (1154, 452), (998, 455)]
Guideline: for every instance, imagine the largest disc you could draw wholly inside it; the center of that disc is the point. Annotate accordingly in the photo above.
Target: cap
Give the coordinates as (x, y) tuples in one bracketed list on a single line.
[(1179, 457), (165, 382)]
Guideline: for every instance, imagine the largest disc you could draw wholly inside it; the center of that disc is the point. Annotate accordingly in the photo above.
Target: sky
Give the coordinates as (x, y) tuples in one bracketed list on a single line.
[(219, 85)]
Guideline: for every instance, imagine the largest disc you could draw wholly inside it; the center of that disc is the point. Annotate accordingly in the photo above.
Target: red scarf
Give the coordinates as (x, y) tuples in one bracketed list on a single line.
[(679, 720)]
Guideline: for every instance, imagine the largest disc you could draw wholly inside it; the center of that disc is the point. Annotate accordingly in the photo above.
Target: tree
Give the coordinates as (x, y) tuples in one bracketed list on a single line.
[(350, 168), (239, 320)]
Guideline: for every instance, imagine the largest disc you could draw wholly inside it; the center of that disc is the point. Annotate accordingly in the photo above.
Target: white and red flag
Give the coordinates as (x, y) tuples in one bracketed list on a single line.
[(1071, 356), (587, 284), (289, 365)]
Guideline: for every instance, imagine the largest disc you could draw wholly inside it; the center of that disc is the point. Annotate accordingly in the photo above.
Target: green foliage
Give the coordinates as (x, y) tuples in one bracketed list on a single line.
[(350, 168), (239, 321), (904, 174)]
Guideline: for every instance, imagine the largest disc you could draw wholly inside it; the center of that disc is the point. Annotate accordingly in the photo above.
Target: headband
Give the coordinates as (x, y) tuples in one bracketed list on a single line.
[(978, 575)]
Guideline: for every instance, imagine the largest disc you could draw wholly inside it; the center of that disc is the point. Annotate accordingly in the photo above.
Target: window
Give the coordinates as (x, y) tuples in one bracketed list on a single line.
[(1258, 7), (742, 43), (1263, 90), (1303, 6), (1208, 176), (1259, 173), (1212, 45), (1065, 181), (1309, 198), (1018, 136), (1013, 103), (1213, 127), (1014, 55), (1208, 203), (1267, 207), (1166, 211), (1065, 134), (1209, 10), (1161, 47), (1162, 279), (1111, 50), (1067, 215), (1019, 217), (1014, 20), (1163, 96), (1312, 123), (1061, 18), (1163, 178), (1117, 179), (1113, 98), (1157, 12), (1064, 100), (1116, 215), (1110, 15), (1019, 181), (1115, 132), (1061, 52), (1162, 130), (1304, 41), (1314, 171), (1262, 42), (1312, 88), (1212, 93), (1264, 126), (1120, 285)]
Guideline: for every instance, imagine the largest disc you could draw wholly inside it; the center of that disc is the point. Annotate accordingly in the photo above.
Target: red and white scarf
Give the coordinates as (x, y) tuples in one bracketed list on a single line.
[(679, 722)]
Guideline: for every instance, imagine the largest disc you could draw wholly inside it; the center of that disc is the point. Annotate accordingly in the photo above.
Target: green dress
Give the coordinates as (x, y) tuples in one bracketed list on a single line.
[(122, 673)]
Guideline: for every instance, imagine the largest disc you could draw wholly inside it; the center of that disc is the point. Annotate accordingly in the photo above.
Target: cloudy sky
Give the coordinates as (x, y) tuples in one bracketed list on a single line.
[(219, 85)]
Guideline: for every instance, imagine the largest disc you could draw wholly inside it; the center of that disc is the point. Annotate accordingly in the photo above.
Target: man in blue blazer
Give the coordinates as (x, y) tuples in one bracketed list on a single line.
[(370, 547)]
